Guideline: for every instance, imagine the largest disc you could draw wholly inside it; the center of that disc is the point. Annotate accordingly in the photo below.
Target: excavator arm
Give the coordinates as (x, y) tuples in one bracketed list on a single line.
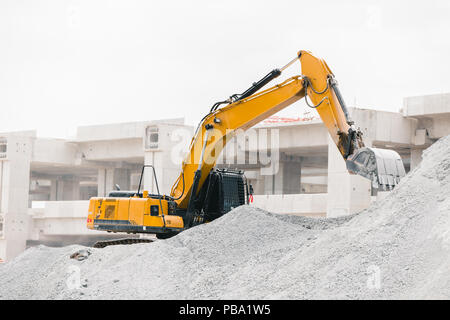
[(319, 87)]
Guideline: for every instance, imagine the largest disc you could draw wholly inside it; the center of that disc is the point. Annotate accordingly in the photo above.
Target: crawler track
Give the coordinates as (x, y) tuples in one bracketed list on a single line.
[(105, 243)]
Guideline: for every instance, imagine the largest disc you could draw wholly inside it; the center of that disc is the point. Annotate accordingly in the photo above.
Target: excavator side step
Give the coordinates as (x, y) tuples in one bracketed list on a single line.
[(105, 243)]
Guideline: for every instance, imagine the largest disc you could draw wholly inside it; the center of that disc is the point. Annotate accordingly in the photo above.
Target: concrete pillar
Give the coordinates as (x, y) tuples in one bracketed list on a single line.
[(416, 157), (270, 183), (292, 172), (53, 189), (52, 195), (71, 188), (347, 193), (59, 189), (107, 178), (155, 158), (65, 189), (255, 179), (15, 161), (258, 185), (287, 180), (105, 181), (122, 178), (101, 182)]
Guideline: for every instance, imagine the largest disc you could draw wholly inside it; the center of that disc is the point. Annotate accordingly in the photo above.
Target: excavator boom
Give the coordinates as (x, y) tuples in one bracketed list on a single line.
[(319, 87)]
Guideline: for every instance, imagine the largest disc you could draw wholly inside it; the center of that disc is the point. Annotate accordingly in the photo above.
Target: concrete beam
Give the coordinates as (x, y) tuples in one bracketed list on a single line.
[(433, 105), (384, 127)]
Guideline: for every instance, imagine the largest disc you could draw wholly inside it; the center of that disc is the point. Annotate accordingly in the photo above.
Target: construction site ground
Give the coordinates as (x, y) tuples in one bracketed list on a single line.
[(399, 248)]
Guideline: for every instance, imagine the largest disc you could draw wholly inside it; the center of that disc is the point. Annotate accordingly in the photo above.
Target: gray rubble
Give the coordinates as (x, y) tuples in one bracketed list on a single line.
[(399, 248)]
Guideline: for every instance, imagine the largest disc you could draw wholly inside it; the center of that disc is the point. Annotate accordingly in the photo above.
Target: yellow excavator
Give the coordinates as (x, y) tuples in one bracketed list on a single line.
[(203, 193)]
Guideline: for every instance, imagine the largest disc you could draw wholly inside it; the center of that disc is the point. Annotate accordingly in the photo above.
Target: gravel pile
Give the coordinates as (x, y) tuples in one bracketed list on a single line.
[(399, 248)]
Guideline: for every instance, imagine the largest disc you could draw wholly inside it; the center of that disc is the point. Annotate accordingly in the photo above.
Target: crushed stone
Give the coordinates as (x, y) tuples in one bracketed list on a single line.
[(399, 248)]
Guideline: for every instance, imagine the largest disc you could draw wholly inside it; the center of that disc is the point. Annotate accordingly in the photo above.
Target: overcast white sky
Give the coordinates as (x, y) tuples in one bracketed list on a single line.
[(70, 63)]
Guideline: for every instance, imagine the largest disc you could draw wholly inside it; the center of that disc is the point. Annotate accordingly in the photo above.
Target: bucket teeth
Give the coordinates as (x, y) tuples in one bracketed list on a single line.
[(382, 166)]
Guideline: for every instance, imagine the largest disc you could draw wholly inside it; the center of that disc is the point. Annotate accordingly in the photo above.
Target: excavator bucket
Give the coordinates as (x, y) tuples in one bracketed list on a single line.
[(383, 167)]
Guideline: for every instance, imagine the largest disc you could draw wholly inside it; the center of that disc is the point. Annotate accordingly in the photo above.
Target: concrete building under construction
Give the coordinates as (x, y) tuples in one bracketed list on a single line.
[(45, 183)]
